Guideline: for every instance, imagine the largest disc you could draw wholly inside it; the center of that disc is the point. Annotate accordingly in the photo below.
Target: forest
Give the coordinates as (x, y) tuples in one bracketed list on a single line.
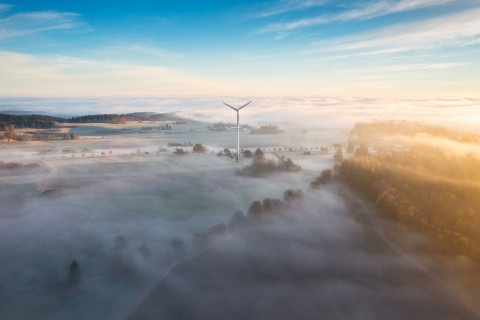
[(122, 118), (28, 121), (431, 188), (45, 122)]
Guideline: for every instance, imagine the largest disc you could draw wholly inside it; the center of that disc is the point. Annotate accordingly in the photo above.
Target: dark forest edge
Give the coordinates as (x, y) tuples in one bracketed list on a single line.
[(430, 187), (9, 122), (36, 121)]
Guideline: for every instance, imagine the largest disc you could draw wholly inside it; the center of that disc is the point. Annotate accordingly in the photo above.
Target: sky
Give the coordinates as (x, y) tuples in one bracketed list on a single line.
[(54, 48)]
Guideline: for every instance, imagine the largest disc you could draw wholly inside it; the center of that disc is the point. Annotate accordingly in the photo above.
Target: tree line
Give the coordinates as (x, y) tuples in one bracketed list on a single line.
[(426, 187), (36, 121), (28, 121), (122, 118)]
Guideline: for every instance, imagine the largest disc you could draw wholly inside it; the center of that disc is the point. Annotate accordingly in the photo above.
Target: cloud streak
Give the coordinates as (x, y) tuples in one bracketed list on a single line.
[(460, 29), (27, 23), (372, 10), (122, 48), (5, 7), (403, 67), (283, 6)]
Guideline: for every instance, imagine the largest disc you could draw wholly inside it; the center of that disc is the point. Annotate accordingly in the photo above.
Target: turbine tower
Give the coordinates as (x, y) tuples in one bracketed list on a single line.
[(238, 128)]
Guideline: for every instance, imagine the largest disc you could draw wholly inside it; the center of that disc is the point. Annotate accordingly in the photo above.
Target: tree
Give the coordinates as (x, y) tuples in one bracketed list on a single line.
[(258, 156), (199, 148), (121, 242), (247, 154), (350, 147), (289, 195), (74, 273), (238, 220), (227, 152), (24, 137), (267, 205), (324, 178), (362, 150), (299, 194), (256, 208), (287, 165), (338, 156), (180, 151), (10, 132)]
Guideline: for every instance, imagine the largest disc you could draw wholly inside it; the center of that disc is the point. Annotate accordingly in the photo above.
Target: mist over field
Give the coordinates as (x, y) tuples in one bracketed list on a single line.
[(325, 111), (76, 203), (344, 184), (326, 259), (146, 229)]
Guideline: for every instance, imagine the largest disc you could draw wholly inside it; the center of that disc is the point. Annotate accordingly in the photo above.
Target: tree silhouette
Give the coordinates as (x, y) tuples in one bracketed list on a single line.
[(338, 156), (256, 209), (325, 177), (74, 273), (199, 148)]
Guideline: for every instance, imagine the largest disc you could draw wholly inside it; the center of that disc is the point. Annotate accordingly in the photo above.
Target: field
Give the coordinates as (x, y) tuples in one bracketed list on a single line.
[(115, 202)]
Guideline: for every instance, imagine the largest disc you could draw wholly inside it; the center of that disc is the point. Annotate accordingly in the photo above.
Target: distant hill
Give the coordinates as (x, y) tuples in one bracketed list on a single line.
[(43, 121), (121, 118), (37, 121)]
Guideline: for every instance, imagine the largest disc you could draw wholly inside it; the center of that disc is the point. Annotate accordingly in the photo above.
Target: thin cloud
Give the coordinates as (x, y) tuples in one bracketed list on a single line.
[(289, 5), (27, 23), (403, 67), (118, 49), (460, 29), (371, 10), (152, 50), (5, 7), (73, 76)]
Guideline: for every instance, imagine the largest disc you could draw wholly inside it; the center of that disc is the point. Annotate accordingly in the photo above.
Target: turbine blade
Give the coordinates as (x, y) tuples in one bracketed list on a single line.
[(244, 105), (230, 106)]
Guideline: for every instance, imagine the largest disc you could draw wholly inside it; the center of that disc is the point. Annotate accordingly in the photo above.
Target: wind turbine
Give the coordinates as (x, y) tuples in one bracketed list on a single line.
[(238, 128)]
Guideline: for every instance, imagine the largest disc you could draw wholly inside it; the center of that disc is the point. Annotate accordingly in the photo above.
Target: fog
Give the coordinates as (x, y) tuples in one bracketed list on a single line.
[(461, 148), (132, 221), (322, 111), (318, 261)]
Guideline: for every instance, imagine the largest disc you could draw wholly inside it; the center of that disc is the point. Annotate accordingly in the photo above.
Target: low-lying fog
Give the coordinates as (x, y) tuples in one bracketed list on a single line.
[(327, 259), (322, 111), (117, 236)]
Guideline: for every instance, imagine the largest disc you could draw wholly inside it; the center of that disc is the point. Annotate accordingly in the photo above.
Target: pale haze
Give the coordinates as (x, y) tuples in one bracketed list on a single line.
[(343, 185)]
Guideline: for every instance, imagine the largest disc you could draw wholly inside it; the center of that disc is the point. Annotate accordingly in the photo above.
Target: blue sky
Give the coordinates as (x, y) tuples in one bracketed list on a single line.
[(239, 48)]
